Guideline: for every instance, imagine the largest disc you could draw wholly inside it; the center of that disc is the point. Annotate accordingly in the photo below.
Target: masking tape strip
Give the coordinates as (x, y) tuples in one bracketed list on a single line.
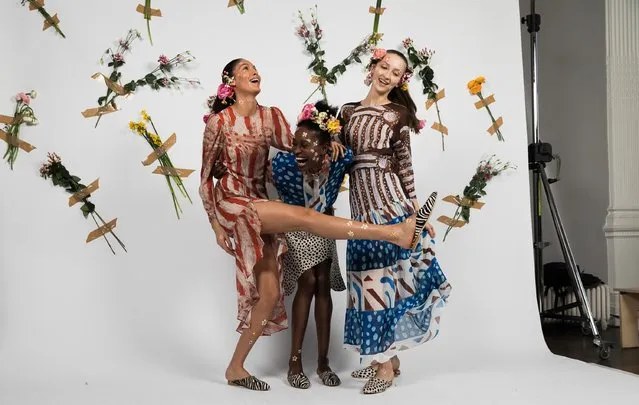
[(38, 4), (374, 10), (440, 128), (155, 12), (498, 123), (85, 192), (464, 202), (11, 140), (171, 171), (441, 94), (451, 222), (115, 87), (101, 231), (97, 111), (155, 155), (485, 102), (49, 24)]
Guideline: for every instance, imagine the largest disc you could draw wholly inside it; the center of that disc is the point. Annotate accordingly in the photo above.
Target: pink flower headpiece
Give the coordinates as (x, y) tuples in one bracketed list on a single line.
[(325, 121), (224, 90)]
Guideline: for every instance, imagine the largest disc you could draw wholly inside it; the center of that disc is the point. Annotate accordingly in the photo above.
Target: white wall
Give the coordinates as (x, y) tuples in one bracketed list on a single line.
[(572, 100), (75, 310)]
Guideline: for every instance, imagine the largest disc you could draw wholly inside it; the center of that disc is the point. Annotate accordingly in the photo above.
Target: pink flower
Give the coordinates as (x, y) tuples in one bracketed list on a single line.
[(24, 98), (206, 117), (118, 57), (379, 53), (422, 124), (224, 91), (163, 60), (307, 112)]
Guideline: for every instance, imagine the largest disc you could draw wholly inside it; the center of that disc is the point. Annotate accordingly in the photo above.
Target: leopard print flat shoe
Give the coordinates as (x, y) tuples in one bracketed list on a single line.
[(251, 383), (376, 386), (369, 372)]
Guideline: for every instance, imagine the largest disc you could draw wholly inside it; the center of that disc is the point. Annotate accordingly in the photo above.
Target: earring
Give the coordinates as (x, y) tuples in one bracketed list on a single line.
[(369, 79)]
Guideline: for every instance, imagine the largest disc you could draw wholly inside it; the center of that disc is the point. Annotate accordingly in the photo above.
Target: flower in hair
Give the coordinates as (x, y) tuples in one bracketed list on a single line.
[(379, 53), (325, 121), (224, 90)]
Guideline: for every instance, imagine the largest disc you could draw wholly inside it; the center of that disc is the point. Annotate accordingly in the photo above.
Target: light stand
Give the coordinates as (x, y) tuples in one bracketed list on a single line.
[(539, 154)]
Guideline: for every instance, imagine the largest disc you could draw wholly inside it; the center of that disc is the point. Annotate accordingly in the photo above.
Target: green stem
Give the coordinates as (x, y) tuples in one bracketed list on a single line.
[(47, 17), (376, 21), (314, 91), (499, 137), (103, 235), (455, 218), (439, 120), (147, 16)]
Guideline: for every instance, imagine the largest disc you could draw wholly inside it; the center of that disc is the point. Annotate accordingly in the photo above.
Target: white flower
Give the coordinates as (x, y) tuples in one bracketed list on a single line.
[(33, 94)]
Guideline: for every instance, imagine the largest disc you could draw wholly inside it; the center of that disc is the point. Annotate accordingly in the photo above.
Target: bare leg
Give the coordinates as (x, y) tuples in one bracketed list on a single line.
[(301, 308), (323, 313), (277, 217), (268, 287)]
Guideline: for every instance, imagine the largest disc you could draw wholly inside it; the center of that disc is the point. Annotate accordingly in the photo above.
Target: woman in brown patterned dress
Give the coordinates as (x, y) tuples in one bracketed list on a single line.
[(394, 294), (237, 139)]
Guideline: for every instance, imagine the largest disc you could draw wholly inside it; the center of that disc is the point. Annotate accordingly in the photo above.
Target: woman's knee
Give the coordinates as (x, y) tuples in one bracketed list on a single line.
[(307, 283)]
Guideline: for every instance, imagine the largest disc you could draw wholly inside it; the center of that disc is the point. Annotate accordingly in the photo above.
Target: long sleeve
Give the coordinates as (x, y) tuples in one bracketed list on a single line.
[(343, 120), (400, 143), (212, 163), (282, 135)]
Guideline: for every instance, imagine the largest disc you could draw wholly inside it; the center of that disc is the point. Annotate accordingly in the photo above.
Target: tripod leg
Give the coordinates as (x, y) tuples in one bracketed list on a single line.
[(580, 292), (538, 242)]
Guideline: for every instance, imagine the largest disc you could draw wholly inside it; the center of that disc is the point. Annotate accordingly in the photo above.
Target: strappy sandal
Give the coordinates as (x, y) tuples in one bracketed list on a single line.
[(421, 219), (299, 380), (329, 378), (250, 383)]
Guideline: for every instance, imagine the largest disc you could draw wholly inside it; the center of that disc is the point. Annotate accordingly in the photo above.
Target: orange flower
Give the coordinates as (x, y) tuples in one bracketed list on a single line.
[(474, 86)]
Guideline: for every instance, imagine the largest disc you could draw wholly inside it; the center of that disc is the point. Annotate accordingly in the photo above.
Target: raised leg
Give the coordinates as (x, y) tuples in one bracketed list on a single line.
[(268, 287), (277, 217)]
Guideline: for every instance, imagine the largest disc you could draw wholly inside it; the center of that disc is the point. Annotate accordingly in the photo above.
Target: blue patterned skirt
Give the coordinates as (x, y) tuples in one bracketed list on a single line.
[(395, 295)]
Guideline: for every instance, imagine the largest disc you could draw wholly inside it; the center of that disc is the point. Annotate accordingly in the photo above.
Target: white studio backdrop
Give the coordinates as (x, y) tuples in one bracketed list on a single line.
[(92, 326)]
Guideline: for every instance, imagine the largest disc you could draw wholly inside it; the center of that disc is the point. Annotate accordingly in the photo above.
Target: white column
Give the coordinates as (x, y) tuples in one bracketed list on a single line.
[(622, 70)]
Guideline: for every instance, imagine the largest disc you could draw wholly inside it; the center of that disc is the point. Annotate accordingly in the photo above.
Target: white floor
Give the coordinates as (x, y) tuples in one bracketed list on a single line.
[(545, 379)]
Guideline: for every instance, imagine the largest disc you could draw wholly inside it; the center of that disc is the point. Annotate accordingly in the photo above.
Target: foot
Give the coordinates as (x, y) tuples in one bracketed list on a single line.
[(235, 373), (407, 234), (382, 380), (328, 376), (295, 364)]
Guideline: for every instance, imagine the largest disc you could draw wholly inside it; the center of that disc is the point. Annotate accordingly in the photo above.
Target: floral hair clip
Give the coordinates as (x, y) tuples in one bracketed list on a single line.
[(325, 121), (224, 90)]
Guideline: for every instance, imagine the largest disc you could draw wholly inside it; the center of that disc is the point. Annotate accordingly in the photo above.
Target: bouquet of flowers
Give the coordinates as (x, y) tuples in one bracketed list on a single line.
[(154, 141), (23, 115), (475, 87), (486, 171), (49, 21), (159, 78), (60, 176), (311, 34), (115, 60)]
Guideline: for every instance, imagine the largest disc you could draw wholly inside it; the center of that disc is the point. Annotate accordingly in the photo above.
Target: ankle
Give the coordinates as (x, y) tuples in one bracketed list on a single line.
[(322, 363)]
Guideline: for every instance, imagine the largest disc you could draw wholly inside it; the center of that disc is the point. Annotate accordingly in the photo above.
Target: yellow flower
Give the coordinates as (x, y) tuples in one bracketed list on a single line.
[(405, 86), (333, 126), (157, 142), (145, 116), (132, 126)]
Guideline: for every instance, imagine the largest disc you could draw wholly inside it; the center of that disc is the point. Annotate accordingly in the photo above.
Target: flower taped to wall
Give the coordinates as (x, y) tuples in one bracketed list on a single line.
[(23, 114), (419, 62), (311, 34), (486, 170), (147, 11), (162, 77), (160, 153), (54, 169), (237, 3), (49, 20), (475, 88)]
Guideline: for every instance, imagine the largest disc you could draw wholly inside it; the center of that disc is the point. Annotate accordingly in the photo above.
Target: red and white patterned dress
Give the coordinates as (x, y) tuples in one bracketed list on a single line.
[(235, 152)]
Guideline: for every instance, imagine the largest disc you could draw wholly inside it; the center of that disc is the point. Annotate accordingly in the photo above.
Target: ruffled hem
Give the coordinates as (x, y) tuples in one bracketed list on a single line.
[(249, 249)]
